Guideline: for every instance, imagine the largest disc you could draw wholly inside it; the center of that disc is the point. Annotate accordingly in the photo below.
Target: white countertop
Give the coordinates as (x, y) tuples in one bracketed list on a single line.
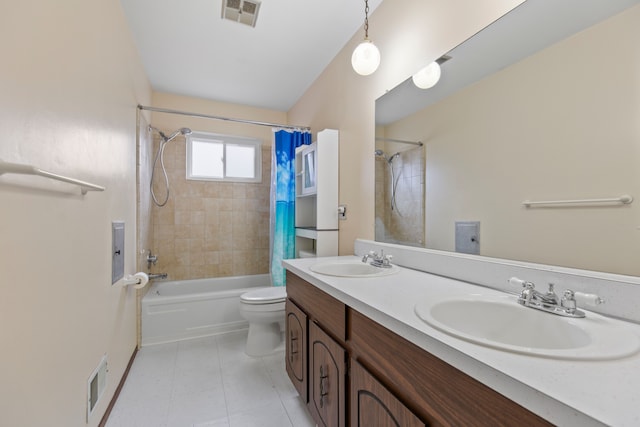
[(565, 392)]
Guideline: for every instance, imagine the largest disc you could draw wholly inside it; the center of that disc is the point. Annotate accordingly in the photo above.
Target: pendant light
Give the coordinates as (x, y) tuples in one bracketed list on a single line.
[(428, 76), (366, 57)]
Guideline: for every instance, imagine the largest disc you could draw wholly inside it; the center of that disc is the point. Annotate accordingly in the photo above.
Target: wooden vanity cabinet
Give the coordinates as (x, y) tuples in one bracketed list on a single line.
[(372, 404), (296, 348), (387, 380), (435, 391), (327, 378), (316, 333)]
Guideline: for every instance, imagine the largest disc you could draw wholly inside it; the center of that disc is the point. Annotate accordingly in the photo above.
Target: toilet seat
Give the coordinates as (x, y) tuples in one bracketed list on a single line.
[(268, 295)]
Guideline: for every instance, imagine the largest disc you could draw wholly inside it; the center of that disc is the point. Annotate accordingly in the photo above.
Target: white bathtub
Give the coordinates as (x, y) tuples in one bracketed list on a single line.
[(184, 309)]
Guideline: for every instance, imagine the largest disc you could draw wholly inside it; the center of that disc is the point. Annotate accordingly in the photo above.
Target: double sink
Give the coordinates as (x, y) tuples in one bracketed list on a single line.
[(499, 322)]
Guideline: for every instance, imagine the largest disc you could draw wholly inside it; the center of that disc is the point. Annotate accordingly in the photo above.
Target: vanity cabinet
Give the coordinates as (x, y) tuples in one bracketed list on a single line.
[(296, 348), (372, 404), (316, 334), (387, 380), (327, 378)]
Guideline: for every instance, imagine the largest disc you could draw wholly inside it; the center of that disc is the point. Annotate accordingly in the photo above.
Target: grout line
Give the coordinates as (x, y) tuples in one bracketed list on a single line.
[(224, 391)]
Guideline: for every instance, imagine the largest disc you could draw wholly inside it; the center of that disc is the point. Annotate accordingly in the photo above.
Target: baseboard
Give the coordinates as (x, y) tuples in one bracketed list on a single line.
[(116, 394)]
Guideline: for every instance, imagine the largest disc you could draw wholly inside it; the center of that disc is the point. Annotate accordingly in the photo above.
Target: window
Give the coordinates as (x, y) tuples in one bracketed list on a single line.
[(214, 157)]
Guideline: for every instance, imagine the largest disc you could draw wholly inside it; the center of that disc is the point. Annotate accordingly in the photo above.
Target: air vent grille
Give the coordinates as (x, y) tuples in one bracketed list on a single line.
[(242, 11)]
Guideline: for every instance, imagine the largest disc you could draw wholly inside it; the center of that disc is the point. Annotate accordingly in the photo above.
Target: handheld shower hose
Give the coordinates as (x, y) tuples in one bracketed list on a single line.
[(160, 154)]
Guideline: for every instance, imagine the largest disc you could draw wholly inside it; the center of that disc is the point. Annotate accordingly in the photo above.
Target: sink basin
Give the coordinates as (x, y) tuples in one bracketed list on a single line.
[(501, 323), (352, 269)]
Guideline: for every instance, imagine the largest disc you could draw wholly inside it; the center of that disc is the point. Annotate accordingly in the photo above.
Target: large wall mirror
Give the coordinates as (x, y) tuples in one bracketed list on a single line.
[(541, 106)]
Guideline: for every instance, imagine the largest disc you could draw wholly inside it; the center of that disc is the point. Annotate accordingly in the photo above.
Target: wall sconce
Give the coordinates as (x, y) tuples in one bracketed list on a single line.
[(429, 75), (366, 57)]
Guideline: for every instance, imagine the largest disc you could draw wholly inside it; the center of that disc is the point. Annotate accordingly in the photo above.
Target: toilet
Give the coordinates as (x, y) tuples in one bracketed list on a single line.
[(264, 309)]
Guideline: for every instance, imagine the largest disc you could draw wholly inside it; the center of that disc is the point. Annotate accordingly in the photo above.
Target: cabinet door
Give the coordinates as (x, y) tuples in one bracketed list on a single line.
[(327, 379), (296, 348), (372, 404)]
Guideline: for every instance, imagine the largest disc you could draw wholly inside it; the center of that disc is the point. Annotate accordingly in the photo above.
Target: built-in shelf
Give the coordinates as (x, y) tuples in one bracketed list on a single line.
[(317, 206)]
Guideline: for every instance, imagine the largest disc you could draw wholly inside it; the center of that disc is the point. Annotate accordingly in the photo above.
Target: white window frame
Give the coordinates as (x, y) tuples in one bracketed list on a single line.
[(225, 140)]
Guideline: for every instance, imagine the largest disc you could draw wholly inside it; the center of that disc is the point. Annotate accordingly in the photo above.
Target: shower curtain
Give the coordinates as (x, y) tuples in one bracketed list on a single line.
[(283, 199)]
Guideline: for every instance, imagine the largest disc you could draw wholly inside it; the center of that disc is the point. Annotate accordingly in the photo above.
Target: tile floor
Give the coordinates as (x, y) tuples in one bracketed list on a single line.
[(208, 382)]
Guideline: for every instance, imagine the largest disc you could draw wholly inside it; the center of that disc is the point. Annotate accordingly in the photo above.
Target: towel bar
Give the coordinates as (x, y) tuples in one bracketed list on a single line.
[(22, 169)]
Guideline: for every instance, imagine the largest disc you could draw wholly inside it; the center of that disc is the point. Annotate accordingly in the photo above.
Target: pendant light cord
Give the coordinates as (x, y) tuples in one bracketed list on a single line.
[(366, 19)]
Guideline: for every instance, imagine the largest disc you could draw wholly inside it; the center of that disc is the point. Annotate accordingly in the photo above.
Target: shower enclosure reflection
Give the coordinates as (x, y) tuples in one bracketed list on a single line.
[(399, 209)]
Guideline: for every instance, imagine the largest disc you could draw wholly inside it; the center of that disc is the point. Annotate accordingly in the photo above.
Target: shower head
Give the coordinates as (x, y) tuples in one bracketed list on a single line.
[(165, 138), (388, 159), (381, 154), (181, 131)]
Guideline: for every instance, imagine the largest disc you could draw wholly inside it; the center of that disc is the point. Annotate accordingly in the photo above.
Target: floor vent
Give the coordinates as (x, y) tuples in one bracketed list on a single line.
[(96, 385), (242, 11)]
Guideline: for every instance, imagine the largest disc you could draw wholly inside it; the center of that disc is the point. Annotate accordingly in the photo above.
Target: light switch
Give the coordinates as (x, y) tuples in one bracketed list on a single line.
[(468, 237), (117, 251)]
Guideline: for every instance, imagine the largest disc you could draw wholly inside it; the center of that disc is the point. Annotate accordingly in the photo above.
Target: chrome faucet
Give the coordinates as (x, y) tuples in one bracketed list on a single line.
[(550, 302), (151, 259), (160, 276), (382, 260), (529, 295)]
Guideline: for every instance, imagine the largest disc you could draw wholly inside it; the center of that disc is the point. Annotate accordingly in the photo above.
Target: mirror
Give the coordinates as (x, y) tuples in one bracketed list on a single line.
[(541, 106)]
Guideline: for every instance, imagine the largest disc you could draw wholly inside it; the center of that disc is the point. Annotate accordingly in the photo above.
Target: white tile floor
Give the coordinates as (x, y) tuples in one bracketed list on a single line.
[(208, 382)]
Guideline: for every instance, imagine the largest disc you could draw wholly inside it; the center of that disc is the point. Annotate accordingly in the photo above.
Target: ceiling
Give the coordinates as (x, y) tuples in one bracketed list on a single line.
[(188, 49)]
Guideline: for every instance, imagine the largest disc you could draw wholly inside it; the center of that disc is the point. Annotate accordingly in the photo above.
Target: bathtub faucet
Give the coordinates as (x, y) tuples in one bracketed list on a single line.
[(160, 276), (151, 259)]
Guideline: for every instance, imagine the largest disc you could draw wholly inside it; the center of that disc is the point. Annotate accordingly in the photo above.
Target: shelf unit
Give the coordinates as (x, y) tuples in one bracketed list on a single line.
[(317, 209)]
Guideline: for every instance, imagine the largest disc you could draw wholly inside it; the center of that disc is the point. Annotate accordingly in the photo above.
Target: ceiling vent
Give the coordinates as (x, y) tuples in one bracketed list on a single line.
[(242, 11)]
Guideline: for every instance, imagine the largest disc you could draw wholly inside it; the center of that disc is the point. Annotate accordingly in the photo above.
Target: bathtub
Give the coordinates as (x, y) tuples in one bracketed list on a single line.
[(184, 309)]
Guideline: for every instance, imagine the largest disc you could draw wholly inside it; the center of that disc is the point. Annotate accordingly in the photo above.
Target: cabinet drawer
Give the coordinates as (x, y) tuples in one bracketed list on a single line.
[(434, 390), (318, 305)]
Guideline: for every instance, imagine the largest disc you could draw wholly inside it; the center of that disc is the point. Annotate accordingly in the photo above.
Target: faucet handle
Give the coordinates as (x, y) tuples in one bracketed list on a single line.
[(371, 254), (588, 299), (522, 283)]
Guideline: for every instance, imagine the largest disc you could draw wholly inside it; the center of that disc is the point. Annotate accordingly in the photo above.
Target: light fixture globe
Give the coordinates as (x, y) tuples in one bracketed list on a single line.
[(428, 76), (365, 58)]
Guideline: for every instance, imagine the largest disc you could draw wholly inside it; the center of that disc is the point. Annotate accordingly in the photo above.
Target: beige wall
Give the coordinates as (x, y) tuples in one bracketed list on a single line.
[(70, 81), (410, 34), (571, 134), (210, 229)]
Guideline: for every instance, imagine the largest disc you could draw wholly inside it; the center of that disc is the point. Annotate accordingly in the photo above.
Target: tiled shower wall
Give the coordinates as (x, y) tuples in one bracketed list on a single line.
[(405, 223), (208, 228)]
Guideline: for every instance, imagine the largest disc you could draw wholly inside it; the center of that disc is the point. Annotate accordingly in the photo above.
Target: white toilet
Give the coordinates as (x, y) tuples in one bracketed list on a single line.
[(263, 308)]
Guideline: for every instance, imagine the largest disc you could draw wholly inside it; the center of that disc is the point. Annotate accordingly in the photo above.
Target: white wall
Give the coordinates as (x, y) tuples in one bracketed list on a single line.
[(70, 81), (410, 34)]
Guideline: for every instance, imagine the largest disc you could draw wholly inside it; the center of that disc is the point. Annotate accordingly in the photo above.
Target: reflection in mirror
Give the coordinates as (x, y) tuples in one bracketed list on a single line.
[(399, 187), (541, 105)]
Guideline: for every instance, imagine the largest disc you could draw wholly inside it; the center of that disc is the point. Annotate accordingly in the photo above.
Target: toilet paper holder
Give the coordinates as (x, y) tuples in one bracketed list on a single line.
[(138, 280)]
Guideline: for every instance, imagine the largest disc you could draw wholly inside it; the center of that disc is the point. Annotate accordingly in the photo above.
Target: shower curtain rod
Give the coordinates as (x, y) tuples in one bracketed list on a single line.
[(228, 119), (418, 143)]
